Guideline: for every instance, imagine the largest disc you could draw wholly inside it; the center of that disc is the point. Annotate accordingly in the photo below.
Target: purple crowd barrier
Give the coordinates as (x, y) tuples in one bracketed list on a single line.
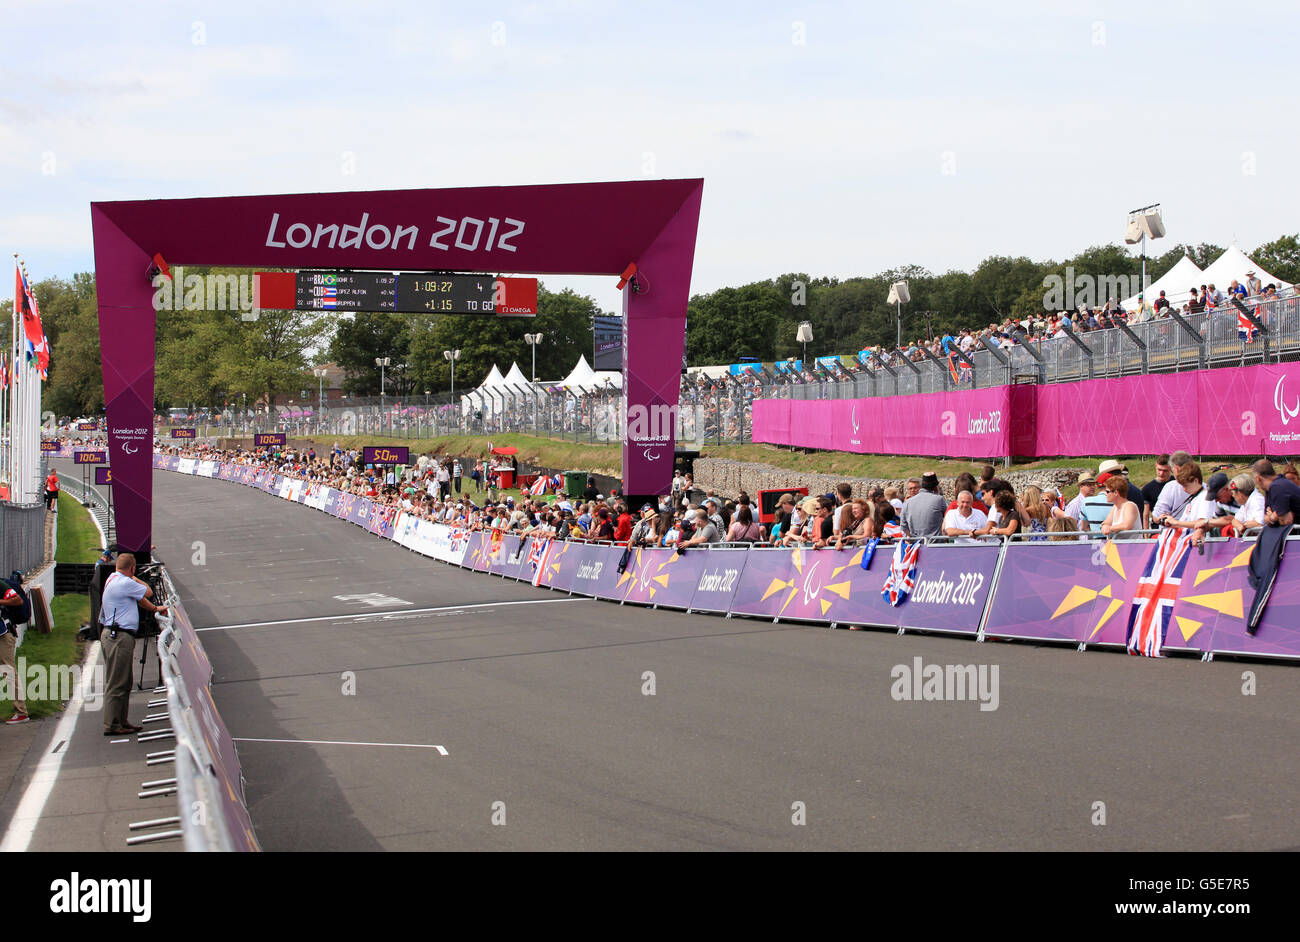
[(207, 765), (1228, 411), (1073, 592)]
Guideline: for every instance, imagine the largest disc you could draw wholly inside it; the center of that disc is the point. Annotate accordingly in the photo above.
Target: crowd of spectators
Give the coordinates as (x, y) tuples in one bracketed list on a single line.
[(1226, 502)]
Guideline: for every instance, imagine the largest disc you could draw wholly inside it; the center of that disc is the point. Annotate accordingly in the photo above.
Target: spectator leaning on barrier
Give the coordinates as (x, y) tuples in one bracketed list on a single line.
[(923, 513), (1251, 512), (744, 529), (1152, 489), (1281, 496), (1124, 514), (1173, 496), (965, 519), (859, 525), (1007, 522)]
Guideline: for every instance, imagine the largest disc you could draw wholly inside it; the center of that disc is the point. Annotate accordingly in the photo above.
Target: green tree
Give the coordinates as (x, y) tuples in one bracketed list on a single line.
[(1281, 258)]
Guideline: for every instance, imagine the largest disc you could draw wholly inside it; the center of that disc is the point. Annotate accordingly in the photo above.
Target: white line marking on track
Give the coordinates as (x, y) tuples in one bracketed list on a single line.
[(22, 826), (402, 611), (328, 742)]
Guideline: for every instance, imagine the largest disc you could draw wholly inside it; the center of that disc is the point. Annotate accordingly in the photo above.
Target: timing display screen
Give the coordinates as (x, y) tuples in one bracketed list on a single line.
[(344, 291), (414, 293)]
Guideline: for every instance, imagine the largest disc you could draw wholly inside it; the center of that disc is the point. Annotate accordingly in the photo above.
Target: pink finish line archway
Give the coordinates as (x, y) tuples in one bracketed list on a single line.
[(567, 229)]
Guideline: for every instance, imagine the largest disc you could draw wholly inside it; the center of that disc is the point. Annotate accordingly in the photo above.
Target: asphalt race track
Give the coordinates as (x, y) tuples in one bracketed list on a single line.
[(538, 703)]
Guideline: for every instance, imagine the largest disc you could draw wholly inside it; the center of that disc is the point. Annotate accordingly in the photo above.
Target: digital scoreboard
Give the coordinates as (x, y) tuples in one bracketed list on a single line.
[(404, 292), (344, 291)]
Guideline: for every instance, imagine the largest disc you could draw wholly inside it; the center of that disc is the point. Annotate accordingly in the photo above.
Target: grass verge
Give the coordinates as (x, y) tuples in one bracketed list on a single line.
[(78, 543), (79, 540)]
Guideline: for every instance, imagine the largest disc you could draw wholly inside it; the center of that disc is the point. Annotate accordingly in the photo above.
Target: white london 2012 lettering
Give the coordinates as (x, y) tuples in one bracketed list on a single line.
[(718, 581), (467, 233), (589, 571), (941, 591), (989, 424)]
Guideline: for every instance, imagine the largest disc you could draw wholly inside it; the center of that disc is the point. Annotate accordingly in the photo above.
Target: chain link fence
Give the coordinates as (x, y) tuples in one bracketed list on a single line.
[(719, 409)]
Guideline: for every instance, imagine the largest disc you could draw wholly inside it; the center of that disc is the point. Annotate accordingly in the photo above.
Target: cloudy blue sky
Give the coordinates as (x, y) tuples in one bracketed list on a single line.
[(836, 139)]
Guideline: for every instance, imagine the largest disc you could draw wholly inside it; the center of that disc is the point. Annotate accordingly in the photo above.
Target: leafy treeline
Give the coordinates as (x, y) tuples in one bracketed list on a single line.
[(761, 319), (207, 356)]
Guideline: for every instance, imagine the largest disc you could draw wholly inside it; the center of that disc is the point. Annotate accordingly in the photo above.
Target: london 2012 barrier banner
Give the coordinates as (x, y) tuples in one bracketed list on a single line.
[(1075, 592), (1252, 410)]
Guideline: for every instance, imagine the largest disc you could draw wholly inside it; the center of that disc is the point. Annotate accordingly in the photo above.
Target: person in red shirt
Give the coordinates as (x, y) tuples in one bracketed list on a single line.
[(623, 529), (52, 492)]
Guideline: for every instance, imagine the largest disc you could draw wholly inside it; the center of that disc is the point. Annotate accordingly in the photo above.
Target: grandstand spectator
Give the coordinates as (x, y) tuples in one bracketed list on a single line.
[(923, 513), (1290, 473), (1236, 289), (1196, 304), (1251, 501), (892, 498), (744, 529), (1162, 304), (911, 487), (1281, 495), (1253, 285), (964, 520)]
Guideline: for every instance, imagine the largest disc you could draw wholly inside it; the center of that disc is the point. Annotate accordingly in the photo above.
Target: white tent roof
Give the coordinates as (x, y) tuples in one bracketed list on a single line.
[(1234, 263), (516, 376), (494, 378), (1174, 283), (582, 375)]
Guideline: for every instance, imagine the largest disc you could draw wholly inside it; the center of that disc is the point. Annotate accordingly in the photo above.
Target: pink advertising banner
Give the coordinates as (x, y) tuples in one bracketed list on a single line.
[(971, 423), (1248, 411)]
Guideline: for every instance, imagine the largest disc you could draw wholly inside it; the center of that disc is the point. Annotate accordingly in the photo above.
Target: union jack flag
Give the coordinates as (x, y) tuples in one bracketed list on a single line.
[(1246, 331), (902, 573), (953, 364), (892, 531), (537, 553), (539, 486), (1148, 618)]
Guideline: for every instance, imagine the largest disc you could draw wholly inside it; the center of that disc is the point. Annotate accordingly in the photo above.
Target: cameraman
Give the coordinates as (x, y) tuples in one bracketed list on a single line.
[(119, 619)]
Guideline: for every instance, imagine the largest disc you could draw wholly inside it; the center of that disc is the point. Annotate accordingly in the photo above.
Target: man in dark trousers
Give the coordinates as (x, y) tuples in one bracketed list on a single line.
[(119, 620), (1282, 505)]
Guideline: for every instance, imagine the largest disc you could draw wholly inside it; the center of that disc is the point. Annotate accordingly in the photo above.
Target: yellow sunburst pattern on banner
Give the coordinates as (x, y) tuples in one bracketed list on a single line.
[(798, 558), (1229, 602), (633, 575)]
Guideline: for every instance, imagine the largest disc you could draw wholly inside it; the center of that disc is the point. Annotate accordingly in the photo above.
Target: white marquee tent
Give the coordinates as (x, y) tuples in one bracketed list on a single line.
[(583, 376), (1234, 263)]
